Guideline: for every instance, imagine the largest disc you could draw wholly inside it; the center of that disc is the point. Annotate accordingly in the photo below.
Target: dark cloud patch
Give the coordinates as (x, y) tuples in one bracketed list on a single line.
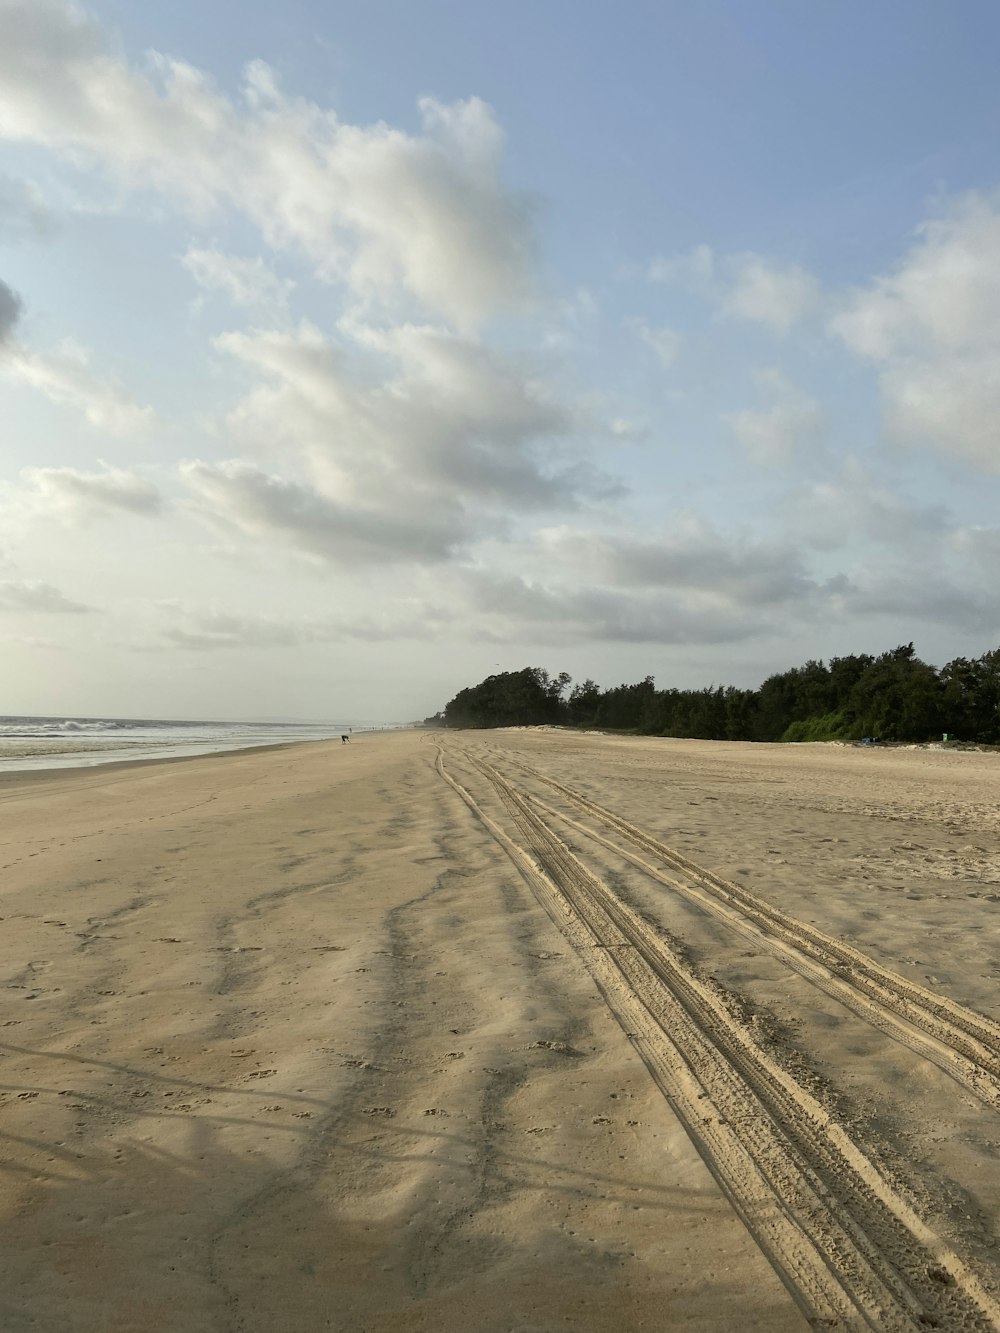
[(512, 607), (926, 597), (34, 595), (697, 560), (11, 310), (840, 510), (212, 630), (451, 417), (88, 493), (265, 506)]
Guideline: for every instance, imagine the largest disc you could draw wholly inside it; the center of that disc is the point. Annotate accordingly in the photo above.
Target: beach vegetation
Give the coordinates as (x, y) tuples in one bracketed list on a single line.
[(835, 726), (526, 698), (894, 696)]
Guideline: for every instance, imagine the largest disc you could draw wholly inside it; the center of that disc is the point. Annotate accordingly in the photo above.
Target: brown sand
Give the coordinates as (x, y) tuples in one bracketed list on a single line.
[(551, 1031)]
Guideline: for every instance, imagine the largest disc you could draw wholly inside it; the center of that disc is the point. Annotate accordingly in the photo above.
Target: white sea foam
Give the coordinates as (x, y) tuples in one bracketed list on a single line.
[(72, 742)]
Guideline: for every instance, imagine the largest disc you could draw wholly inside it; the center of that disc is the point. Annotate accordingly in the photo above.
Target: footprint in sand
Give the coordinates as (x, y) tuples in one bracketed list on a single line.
[(559, 1047)]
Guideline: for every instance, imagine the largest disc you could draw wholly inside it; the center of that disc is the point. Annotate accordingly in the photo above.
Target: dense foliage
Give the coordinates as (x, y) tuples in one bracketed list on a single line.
[(895, 697), (524, 698)]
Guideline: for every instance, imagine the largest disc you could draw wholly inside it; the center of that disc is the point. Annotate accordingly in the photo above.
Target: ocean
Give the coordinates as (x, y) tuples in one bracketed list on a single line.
[(74, 742)]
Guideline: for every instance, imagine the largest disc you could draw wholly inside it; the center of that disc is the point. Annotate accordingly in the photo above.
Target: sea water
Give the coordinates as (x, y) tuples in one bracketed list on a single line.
[(72, 742)]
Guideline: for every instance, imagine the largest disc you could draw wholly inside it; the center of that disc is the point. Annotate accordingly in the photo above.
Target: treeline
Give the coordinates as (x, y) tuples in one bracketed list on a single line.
[(893, 697)]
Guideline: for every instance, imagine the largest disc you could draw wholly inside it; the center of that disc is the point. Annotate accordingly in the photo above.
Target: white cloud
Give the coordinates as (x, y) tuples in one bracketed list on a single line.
[(629, 429), (23, 214), (372, 205), (945, 294), (565, 325), (396, 443), (399, 450), (909, 561), (65, 376), (264, 506), (665, 342), (981, 544), (697, 269), (84, 494), (856, 504), (933, 328), (771, 437), (951, 402), (248, 283), (32, 595), (744, 286), (775, 295), (776, 436)]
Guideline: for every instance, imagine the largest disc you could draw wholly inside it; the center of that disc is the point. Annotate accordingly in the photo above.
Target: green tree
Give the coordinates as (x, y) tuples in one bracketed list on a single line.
[(898, 698), (525, 698), (624, 707), (583, 703)]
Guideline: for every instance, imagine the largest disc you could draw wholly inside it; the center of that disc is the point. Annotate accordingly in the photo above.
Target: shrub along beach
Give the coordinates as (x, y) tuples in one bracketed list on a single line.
[(894, 696)]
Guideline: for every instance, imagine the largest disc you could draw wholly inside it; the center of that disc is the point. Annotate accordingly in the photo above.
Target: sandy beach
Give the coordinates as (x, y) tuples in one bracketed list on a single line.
[(517, 1030)]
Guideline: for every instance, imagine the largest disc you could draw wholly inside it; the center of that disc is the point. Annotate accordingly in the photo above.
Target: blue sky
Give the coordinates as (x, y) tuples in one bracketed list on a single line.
[(349, 352)]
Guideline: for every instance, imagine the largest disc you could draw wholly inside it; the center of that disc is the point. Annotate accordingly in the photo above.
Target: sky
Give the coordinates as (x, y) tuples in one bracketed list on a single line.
[(354, 350)]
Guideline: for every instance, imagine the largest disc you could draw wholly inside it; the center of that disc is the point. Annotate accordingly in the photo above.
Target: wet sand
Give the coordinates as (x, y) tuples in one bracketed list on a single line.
[(371, 1037)]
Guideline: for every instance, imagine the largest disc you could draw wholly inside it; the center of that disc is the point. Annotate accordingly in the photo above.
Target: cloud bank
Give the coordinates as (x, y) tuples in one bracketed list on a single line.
[(87, 494), (932, 328), (372, 206)]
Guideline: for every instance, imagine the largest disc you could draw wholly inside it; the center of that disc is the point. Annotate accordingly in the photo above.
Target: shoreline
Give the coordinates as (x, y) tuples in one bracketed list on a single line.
[(109, 765), (30, 744), (7, 774)]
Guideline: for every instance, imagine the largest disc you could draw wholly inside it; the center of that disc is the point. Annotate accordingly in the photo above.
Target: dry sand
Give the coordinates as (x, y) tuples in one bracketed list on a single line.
[(547, 1031)]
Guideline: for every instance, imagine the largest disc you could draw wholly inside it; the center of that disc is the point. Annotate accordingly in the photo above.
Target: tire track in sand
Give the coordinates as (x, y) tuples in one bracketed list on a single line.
[(851, 1251), (962, 1043), (938, 1052)]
